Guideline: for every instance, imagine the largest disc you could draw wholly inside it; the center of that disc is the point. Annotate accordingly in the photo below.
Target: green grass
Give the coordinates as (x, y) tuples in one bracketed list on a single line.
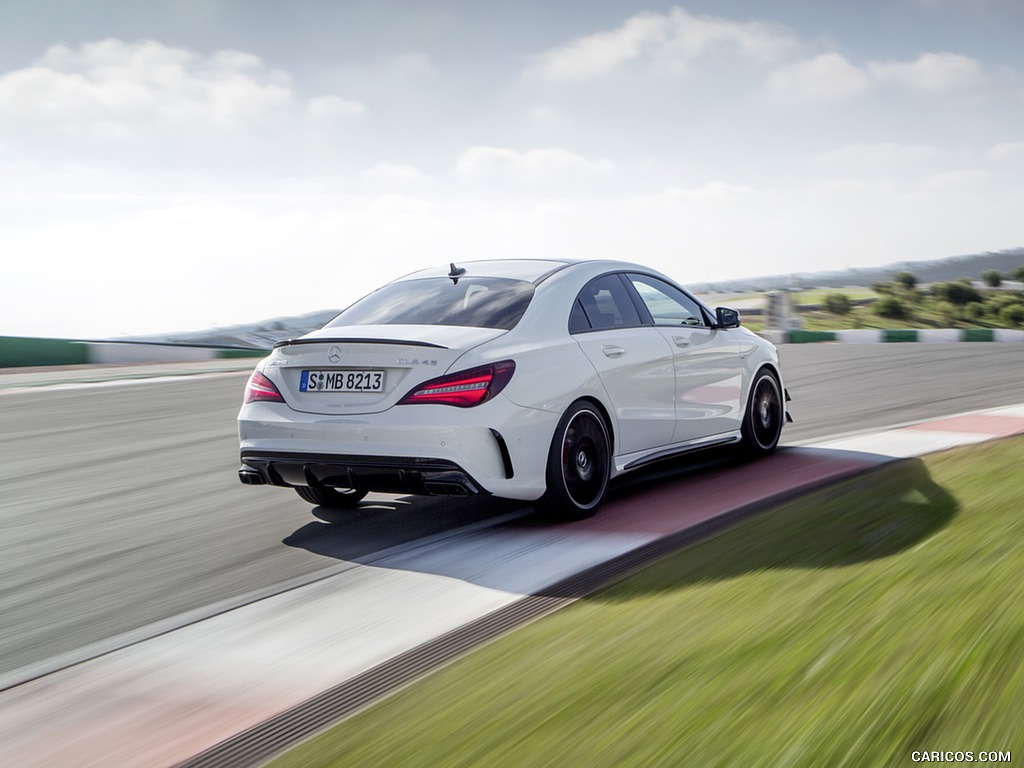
[(817, 295), (926, 315), (848, 628)]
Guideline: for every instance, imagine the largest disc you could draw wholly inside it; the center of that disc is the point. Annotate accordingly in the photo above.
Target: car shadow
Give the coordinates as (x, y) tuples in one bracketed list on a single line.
[(872, 514), (868, 517), (383, 523)]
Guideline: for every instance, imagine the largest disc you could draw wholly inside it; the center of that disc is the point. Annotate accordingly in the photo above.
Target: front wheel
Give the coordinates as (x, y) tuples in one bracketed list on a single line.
[(762, 423), (579, 464), (332, 498)]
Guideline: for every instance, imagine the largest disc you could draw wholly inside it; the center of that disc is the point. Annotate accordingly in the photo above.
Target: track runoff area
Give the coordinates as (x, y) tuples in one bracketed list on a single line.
[(241, 686)]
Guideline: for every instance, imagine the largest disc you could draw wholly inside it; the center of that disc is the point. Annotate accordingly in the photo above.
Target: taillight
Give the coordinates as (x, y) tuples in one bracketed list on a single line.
[(465, 388), (260, 388)]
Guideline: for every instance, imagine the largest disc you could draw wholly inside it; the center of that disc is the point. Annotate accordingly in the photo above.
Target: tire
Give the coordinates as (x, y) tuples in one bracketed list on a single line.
[(765, 415), (332, 498), (579, 465)]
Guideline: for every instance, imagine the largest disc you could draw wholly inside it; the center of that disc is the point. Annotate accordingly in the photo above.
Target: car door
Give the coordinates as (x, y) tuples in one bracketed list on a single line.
[(634, 361), (707, 362)]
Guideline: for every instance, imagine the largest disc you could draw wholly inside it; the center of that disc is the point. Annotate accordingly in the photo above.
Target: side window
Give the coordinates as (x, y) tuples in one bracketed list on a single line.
[(578, 318), (666, 303), (606, 304)]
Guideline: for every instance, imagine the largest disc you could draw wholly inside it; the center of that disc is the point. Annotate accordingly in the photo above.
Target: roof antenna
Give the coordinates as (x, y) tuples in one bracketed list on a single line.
[(456, 273)]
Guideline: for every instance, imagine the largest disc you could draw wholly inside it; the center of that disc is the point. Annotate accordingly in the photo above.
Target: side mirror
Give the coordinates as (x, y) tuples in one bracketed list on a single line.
[(727, 318)]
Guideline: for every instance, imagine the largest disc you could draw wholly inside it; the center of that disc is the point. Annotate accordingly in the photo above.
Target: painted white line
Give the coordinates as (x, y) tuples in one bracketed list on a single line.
[(904, 443), (1010, 410), (524, 562), (831, 440)]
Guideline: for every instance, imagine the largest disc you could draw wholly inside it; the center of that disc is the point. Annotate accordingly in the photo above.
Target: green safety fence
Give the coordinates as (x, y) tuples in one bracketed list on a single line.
[(906, 335), (808, 337), (979, 334), (19, 351)]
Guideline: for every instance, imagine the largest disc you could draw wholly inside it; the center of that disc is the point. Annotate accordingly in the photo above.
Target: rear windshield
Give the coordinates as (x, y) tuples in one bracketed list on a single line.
[(476, 302)]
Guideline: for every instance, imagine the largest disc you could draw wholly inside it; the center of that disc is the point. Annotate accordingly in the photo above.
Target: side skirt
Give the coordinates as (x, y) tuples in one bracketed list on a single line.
[(639, 459)]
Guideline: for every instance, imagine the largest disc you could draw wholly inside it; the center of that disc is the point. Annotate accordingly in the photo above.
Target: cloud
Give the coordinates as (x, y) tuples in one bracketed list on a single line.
[(884, 154), (395, 176), (330, 107), (661, 42), (549, 164), (935, 72), (828, 77), (145, 93), (1006, 152)]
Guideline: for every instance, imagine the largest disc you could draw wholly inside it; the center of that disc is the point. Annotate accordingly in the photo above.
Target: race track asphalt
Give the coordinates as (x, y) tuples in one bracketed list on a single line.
[(122, 514)]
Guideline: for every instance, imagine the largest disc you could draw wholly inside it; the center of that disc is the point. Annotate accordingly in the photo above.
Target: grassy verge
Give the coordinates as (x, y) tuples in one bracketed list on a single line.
[(863, 317), (817, 295), (849, 628)]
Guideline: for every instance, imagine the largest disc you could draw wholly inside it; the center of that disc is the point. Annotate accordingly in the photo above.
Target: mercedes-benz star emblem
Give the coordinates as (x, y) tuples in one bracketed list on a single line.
[(334, 355)]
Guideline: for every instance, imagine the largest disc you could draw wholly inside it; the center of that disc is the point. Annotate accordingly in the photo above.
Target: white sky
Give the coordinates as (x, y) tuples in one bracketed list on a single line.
[(177, 166)]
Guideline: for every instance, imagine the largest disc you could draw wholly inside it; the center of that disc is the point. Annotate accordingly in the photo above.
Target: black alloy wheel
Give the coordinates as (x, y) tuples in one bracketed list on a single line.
[(579, 464), (762, 424)]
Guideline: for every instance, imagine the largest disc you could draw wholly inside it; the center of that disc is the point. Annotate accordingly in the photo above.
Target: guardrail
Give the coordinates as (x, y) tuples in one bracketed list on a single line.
[(23, 351)]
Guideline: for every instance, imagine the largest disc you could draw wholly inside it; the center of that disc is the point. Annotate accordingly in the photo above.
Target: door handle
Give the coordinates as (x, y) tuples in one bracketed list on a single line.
[(681, 341), (613, 351)]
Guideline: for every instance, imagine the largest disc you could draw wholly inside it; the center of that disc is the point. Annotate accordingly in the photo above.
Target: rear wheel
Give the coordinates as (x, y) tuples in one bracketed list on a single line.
[(333, 498), (762, 423), (579, 464)]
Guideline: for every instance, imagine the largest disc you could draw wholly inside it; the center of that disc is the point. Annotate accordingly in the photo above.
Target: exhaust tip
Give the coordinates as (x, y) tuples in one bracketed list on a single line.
[(249, 476), (445, 489)]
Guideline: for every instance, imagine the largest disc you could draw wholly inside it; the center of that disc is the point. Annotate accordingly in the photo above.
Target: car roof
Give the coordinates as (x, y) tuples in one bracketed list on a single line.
[(530, 270)]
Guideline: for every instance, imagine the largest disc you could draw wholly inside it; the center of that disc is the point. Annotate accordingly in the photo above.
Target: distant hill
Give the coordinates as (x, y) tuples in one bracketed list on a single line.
[(933, 271)]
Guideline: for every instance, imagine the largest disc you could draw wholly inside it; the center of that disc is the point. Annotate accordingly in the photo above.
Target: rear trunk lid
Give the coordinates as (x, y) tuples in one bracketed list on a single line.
[(366, 368)]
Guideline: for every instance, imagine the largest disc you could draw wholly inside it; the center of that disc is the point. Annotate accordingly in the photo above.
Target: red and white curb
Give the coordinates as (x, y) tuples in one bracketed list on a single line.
[(166, 699), (920, 438)]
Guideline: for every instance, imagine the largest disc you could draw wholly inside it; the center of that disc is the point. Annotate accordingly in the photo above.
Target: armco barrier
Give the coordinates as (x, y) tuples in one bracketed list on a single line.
[(20, 351)]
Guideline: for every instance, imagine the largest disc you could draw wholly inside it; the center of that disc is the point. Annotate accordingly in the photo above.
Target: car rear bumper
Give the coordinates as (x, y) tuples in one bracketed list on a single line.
[(385, 474), (492, 448)]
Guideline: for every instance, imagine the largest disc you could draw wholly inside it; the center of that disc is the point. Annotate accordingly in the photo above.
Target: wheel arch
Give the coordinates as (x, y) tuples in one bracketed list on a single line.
[(774, 368), (751, 374)]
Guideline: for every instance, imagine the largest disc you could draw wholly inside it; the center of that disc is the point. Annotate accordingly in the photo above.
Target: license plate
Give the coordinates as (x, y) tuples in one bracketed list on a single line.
[(342, 381)]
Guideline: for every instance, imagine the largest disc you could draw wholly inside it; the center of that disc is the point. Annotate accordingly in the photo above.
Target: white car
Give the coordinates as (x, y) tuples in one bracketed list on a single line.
[(538, 380)]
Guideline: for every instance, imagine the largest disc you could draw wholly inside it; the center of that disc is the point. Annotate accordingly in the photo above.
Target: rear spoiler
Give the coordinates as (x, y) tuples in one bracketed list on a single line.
[(332, 340)]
